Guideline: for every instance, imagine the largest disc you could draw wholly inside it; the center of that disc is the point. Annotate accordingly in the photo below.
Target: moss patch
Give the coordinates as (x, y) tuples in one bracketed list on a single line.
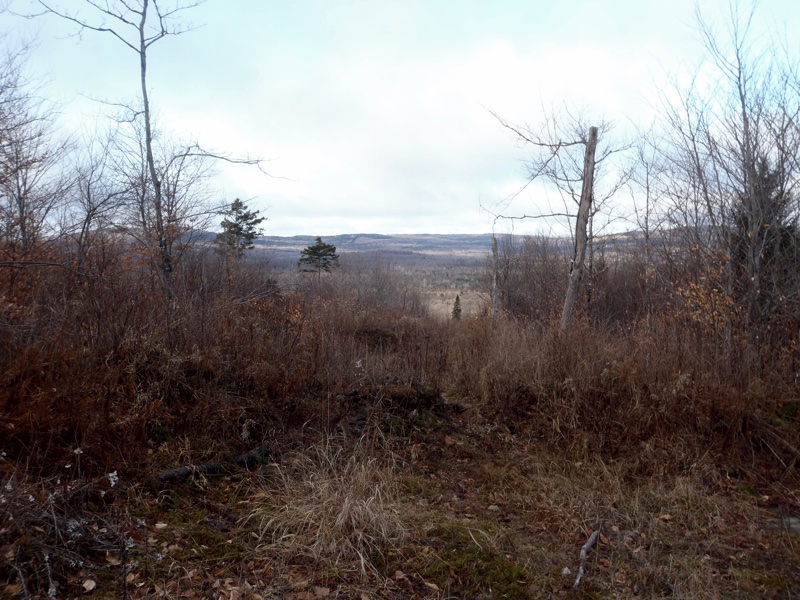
[(464, 562)]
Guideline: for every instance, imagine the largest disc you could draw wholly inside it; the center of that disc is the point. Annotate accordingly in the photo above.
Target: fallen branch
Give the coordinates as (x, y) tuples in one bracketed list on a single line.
[(766, 433), (244, 461), (24, 264), (586, 547)]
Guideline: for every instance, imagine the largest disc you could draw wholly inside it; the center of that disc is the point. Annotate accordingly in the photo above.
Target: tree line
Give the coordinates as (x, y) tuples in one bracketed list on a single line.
[(713, 183)]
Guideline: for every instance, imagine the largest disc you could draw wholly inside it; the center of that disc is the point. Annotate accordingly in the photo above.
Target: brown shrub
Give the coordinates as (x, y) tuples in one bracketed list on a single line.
[(102, 365)]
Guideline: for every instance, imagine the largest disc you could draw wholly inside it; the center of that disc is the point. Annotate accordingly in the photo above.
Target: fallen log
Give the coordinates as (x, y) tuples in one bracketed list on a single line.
[(244, 461)]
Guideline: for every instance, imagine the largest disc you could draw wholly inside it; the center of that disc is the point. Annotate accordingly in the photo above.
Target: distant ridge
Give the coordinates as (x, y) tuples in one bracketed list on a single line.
[(360, 242), (404, 246), (400, 249)]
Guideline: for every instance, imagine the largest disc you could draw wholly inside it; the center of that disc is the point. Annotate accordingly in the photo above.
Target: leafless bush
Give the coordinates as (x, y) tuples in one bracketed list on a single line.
[(48, 535), (371, 282), (532, 277)]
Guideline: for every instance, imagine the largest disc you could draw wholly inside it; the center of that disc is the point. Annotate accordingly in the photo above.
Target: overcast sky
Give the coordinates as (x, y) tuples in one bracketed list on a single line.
[(372, 114)]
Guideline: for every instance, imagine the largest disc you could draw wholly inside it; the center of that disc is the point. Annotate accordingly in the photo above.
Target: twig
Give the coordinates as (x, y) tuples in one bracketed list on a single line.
[(764, 432), (24, 264), (255, 296), (51, 592), (469, 531), (586, 547), (21, 575)]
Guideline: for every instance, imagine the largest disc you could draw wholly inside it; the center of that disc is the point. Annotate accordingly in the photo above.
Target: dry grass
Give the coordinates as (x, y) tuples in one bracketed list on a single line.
[(659, 537), (605, 426), (440, 302), (336, 505), (695, 534)]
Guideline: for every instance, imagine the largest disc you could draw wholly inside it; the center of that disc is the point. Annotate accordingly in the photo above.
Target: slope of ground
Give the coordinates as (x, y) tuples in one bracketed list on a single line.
[(412, 495)]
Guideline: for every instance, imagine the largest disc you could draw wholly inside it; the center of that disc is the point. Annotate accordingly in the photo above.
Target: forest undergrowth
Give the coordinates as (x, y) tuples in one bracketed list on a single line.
[(387, 454)]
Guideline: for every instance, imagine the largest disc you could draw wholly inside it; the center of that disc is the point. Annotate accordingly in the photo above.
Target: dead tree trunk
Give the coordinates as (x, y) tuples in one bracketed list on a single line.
[(495, 286), (581, 237)]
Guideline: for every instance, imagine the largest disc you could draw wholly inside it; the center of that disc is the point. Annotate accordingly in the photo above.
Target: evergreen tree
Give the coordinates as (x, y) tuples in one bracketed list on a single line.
[(239, 229), (318, 257), (457, 308), (765, 244)]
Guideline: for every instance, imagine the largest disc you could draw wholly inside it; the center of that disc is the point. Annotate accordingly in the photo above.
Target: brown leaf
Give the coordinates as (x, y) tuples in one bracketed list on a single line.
[(322, 592), (89, 585), (666, 517)]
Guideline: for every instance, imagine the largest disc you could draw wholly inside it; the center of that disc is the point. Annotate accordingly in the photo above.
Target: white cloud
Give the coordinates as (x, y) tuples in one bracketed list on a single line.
[(373, 114)]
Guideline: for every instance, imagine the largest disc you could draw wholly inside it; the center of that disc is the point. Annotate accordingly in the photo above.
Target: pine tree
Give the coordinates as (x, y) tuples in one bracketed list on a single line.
[(318, 257), (239, 229), (764, 241), (457, 308)]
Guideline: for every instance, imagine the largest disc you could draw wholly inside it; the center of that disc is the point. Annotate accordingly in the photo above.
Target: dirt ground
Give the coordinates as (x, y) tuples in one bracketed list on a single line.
[(453, 505)]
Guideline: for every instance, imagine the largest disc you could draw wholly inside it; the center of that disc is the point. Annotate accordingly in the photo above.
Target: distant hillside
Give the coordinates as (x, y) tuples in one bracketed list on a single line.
[(409, 249), (423, 243), (360, 242), (400, 248)]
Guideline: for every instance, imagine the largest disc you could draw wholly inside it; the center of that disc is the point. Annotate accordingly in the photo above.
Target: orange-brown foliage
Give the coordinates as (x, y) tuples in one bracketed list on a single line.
[(98, 362)]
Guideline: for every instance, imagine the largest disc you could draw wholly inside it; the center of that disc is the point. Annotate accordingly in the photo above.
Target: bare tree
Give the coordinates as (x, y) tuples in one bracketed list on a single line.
[(32, 184), (138, 25), (566, 157), (95, 199), (162, 179), (163, 229), (527, 271), (646, 187), (732, 149), (581, 235), (495, 289)]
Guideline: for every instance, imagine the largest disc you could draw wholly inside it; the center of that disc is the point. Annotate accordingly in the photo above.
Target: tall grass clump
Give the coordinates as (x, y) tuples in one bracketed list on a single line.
[(333, 504)]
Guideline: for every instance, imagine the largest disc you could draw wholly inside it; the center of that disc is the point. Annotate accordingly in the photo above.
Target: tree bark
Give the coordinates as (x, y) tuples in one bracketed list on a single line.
[(158, 205), (581, 237), (495, 286)]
